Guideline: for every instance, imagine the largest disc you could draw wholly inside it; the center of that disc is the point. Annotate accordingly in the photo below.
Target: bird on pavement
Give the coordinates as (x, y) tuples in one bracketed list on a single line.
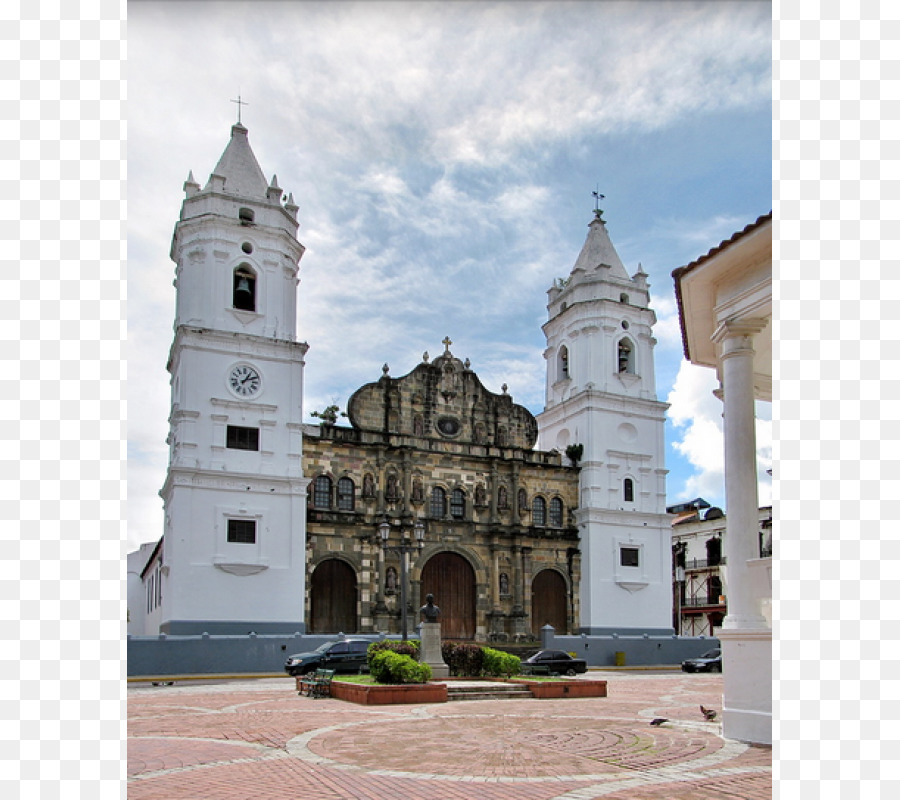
[(709, 713), (658, 721)]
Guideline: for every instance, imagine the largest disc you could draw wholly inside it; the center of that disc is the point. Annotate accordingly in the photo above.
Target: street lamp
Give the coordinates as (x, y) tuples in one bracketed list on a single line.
[(403, 549)]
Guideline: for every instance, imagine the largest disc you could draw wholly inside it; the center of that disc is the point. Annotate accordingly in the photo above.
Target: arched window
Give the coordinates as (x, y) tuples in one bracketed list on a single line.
[(244, 288), (556, 513), (345, 494), (623, 298), (628, 490), (626, 356), (438, 503), (322, 492), (562, 367), (539, 511), (457, 504)]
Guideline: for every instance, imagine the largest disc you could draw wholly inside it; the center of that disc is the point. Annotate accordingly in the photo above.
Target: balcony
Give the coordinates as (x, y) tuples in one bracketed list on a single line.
[(703, 602), (704, 563)]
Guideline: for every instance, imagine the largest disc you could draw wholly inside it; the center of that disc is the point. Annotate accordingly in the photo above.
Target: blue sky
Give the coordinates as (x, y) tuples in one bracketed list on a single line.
[(443, 157)]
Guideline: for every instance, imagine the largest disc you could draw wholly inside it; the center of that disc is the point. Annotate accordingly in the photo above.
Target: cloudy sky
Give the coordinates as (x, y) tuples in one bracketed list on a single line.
[(443, 156)]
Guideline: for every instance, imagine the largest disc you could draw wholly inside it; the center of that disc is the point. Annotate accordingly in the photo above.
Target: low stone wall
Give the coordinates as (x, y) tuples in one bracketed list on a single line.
[(645, 650), (217, 655), (163, 655)]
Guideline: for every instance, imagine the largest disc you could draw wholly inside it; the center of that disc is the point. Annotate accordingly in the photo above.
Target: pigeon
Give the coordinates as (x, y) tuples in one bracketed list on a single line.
[(709, 713), (658, 721)]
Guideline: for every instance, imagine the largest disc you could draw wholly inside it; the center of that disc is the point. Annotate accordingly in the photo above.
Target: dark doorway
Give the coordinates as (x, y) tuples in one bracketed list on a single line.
[(332, 598), (548, 602), (451, 579)]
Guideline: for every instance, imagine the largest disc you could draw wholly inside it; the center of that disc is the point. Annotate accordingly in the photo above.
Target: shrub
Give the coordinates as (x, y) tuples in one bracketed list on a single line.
[(387, 666), (407, 648), (463, 659), (497, 663)]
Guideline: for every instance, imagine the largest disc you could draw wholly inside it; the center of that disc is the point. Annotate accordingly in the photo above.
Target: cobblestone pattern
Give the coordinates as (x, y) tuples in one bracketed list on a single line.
[(260, 740)]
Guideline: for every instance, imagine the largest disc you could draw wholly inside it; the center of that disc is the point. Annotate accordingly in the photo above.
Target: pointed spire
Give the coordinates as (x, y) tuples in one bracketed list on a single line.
[(239, 168), (274, 190), (598, 250), (191, 187)]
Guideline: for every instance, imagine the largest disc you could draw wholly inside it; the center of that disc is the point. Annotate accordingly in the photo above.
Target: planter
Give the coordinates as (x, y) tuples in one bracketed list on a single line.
[(389, 694), (563, 688)]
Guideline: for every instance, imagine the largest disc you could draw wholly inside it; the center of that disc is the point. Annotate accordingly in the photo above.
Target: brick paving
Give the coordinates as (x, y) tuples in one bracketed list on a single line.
[(258, 739)]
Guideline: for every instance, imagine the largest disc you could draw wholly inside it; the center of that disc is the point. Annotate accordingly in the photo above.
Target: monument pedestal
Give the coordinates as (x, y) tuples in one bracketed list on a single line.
[(430, 633)]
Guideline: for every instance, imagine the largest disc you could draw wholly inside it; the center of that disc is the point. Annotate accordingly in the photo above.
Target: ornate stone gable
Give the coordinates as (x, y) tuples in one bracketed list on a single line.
[(443, 400)]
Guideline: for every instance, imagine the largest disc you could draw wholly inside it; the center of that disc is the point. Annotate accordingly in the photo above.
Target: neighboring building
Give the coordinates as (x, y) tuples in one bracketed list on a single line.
[(601, 397), (572, 534), (500, 547), (725, 308), (140, 594), (699, 570)]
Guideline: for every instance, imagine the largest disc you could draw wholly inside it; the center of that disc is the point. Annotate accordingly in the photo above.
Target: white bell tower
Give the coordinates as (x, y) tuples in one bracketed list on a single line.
[(234, 542), (601, 409)]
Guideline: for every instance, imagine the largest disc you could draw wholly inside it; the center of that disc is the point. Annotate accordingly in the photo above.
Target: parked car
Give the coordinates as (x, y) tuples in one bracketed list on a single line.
[(348, 655), (555, 661), (708, 662)]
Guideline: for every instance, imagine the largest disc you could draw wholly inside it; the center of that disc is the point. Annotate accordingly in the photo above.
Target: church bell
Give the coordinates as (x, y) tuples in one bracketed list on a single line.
[(243, 287)]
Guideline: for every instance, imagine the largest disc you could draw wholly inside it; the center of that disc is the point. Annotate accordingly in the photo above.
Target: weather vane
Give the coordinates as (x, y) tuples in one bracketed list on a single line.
[(239, 104), (598, 212)]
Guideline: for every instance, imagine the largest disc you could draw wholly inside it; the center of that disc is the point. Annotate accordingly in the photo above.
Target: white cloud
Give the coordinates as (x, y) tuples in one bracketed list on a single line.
[(697, 414)]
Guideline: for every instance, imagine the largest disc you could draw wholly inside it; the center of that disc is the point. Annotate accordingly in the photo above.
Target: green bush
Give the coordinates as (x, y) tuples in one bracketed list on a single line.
[(387, 666), (408, 648), (497, 663)]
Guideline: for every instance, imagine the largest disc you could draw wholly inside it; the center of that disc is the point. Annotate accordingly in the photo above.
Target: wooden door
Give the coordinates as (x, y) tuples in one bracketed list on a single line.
[(549, 601), (332, 598), (451, 579)]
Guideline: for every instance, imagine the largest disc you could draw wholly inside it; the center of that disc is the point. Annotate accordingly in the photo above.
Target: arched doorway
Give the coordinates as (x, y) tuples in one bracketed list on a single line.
[(549, 601), (451, 579), (332, 598)]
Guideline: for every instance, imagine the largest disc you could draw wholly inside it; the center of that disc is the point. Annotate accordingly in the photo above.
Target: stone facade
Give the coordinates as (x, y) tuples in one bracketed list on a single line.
[(500, 549)]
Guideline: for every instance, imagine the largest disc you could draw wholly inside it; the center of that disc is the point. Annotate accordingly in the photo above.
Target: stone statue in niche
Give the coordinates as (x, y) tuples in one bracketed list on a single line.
[(418, 493), (504, 583), (390, 580), (480, 497), (502, 498), (392, 492), (368, 485)]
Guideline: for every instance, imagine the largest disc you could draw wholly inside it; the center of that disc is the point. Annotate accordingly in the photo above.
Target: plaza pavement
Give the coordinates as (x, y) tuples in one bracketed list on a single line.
[(259, 740)]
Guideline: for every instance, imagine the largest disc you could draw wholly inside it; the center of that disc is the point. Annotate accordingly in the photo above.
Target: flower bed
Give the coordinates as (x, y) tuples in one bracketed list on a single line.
[(389, 694), (559, 688)]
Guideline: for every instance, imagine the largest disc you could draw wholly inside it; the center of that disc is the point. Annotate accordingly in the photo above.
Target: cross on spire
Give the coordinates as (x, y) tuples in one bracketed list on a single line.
[(446, 344), (239, 104), (598, 212)]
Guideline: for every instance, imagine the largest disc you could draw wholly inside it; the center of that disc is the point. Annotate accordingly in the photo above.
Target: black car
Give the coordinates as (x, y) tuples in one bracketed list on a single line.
[(555, 661), (709, 662), (348, 655)]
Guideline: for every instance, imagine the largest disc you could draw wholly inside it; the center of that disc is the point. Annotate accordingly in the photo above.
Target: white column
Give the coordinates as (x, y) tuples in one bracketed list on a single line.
[(745, 636), (742, 497)]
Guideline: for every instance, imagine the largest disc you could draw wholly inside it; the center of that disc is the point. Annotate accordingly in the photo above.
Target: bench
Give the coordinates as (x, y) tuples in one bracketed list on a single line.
[(316, 684)]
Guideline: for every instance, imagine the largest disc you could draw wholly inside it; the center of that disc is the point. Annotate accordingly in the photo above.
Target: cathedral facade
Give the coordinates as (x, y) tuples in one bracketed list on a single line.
[(437, 485), (434, 450)]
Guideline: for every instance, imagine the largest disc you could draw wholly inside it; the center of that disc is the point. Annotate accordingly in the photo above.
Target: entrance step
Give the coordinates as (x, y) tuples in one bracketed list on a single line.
[(487, 691)]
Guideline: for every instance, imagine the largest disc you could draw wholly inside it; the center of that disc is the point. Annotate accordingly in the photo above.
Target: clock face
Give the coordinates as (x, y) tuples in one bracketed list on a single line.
[(244, 380)]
